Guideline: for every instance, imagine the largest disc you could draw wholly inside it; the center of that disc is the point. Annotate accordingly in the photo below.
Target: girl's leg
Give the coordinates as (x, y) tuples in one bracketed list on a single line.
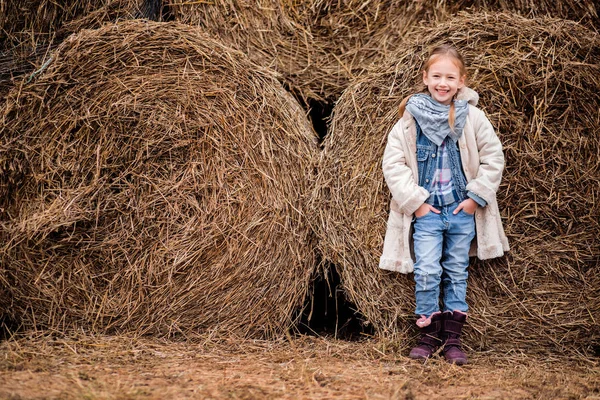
[(455, 259), (428, 245)]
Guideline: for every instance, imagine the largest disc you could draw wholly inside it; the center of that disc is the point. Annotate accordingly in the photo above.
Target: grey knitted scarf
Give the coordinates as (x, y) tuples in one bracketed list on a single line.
[(432, 117)]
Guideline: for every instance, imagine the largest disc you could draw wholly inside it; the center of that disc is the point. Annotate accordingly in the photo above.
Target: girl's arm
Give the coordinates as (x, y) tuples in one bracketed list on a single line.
[(491, 160), (398, 175)]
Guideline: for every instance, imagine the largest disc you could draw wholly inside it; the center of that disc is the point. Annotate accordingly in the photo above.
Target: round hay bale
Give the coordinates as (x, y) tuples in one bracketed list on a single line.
[(539, 84), (157, 184), (34, 21), (583, 11), (309, 43), (31, 30), (319, 46)]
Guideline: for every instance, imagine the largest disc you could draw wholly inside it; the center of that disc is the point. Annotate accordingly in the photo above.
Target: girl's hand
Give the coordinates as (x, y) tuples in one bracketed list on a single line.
[(424, 209), (469, 206)]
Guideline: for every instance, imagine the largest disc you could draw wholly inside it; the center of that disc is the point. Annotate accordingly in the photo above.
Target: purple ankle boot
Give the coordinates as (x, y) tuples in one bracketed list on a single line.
[(452, 324), (430, 339)]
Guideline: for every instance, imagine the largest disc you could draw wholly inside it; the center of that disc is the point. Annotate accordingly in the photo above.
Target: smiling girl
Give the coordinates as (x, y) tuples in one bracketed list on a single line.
[(443, 164)]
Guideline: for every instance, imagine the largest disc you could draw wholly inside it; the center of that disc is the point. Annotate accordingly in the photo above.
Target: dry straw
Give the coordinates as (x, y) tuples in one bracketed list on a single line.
[(319, 46), (35, 20), (25, 19), (156, 183), (122, 366), (31, 30), (539, 82)]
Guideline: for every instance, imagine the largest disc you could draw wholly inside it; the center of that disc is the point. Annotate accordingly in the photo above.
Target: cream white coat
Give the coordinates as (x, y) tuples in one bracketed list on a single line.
[(482, 161)]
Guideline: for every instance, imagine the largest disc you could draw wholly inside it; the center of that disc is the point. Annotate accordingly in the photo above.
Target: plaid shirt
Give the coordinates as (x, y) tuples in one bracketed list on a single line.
[(442, 188)]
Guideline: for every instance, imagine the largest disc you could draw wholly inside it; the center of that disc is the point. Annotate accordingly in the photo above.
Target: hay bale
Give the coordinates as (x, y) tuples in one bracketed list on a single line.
[(34, 20), (309, 43), (21, 18), (319, 46), (582, 11), (157, 184), (539, 84), (31, 30)]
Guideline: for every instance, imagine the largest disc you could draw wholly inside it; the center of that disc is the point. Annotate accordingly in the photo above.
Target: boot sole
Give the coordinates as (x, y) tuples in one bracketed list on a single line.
[(457, 362)]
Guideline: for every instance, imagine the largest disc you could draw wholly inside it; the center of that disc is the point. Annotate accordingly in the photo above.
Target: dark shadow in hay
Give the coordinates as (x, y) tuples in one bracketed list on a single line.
[(8, 327), (319, 113), (538, 81), (328, 312), (160, 183)]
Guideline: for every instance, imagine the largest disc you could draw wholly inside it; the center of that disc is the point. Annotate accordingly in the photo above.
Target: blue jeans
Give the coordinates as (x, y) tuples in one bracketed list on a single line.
[(442, 243)]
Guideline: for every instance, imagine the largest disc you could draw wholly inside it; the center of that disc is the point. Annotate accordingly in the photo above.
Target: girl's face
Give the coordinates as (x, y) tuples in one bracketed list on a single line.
[(443, 79)]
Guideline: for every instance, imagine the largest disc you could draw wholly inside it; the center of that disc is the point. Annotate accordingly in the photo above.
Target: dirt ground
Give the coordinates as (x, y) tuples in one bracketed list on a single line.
[(82, 367)]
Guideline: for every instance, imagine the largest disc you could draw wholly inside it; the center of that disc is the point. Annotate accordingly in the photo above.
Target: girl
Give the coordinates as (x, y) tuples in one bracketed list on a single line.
[(443, 164)]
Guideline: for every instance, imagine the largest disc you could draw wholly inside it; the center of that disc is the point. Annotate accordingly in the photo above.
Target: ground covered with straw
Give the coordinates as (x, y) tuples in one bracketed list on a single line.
[(538, 82), (121, 367), (153, 180)]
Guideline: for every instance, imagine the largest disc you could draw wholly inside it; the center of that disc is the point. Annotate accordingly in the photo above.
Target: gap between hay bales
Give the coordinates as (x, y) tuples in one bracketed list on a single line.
[(328, 312), (318, 111)]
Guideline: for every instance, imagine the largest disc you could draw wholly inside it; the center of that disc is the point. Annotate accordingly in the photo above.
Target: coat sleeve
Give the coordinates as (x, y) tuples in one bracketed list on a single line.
[(399, 176), (491, 160)]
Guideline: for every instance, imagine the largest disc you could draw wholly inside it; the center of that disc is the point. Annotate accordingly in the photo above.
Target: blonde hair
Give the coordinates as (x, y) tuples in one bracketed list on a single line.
[(436, 53)]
